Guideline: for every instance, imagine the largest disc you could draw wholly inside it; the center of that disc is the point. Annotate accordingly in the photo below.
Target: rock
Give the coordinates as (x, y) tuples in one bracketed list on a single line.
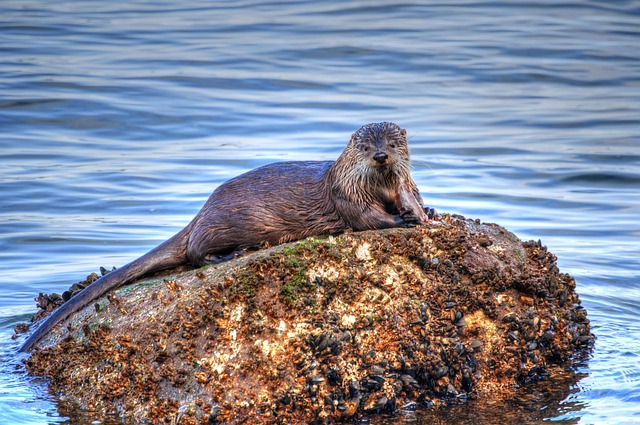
[(324, 329)]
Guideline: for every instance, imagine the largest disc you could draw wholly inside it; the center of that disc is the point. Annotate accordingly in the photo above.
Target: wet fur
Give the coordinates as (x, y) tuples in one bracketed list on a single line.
[(279, 203)]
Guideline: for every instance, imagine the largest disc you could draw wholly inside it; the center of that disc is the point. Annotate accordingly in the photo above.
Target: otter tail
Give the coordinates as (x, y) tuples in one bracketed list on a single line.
[(171, 253)]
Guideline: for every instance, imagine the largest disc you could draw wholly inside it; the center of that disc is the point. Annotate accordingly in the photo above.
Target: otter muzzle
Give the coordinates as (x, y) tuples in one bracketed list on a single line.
[(380, 157)]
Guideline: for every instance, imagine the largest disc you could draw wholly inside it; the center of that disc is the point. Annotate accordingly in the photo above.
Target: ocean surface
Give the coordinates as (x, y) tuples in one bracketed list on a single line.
[(118, 118)]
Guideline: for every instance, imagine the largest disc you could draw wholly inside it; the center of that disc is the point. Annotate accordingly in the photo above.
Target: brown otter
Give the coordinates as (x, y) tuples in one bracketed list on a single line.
[(367, 187)]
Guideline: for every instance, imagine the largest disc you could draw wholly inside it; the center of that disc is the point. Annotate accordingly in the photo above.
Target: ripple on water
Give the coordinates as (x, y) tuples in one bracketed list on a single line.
[(24, 399)]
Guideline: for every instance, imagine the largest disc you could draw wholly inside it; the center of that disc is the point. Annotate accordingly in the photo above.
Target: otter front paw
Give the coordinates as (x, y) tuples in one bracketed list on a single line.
[(431, 213), (406, 218)]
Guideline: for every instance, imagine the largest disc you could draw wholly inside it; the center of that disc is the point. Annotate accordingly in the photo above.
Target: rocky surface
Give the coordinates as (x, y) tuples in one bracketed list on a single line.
[(328, 329)]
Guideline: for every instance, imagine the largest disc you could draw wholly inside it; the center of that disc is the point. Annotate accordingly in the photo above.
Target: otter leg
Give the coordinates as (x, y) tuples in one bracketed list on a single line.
[(409, 204), (373, 218)]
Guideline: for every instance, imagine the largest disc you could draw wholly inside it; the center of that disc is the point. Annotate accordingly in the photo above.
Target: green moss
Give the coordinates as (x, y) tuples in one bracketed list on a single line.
[(289, 293), (246, 283), (300, 276), (96, 325), (296, 282), (290, 250), (293, 262), (311, 244), (518, 255), (125, 290)]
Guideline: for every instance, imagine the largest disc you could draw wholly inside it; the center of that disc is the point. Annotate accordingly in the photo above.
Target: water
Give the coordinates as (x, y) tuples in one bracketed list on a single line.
[(117, 119)]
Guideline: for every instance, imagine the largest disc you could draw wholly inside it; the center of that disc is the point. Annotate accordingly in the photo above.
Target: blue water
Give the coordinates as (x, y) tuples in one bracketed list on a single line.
[(117, 119)]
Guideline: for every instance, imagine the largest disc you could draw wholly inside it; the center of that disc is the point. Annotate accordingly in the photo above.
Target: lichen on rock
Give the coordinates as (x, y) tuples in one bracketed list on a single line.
[(325, 330)]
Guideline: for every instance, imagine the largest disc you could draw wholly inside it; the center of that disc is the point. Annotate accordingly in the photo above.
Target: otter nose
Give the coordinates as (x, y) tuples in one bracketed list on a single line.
[(380, 157)]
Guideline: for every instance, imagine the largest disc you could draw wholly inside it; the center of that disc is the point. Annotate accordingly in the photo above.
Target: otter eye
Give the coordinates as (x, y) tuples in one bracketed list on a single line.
[(392, 145), (365, 148)]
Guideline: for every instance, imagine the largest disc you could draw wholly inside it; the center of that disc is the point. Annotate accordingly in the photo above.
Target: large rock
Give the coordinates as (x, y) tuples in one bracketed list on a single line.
[(325, 329)]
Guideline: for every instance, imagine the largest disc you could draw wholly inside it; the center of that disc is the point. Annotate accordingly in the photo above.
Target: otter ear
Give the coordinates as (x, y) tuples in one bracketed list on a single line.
[(403, 132), (353, 138)]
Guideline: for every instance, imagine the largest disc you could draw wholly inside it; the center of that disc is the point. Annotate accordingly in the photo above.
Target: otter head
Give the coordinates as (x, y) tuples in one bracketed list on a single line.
[(381, 147), (374, 162)]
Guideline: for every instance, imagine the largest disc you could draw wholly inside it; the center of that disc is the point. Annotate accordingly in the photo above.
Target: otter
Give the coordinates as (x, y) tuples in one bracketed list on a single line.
[(368, 187)]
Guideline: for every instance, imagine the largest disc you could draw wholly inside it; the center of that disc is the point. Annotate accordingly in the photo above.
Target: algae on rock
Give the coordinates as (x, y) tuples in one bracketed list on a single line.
[(324, 330)]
